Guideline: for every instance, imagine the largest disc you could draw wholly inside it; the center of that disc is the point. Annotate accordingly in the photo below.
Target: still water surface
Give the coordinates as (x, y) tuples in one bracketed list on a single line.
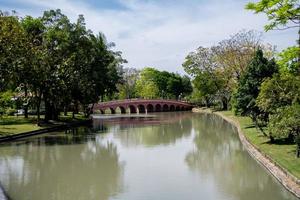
[(171, 156)]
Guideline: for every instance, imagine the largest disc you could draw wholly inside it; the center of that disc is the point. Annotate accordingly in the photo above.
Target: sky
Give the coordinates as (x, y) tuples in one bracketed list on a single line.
[(159, 33)]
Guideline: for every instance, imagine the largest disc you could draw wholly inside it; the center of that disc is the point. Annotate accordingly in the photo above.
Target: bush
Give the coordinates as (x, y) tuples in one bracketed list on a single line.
[(286, 122)]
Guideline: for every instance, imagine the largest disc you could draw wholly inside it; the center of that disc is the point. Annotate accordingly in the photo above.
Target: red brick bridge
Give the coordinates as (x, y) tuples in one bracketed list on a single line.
[(141, 106)]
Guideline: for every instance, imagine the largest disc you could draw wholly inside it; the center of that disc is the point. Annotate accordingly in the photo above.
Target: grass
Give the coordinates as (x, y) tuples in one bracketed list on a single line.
[(10, 125), (13, 125), (281, 151)]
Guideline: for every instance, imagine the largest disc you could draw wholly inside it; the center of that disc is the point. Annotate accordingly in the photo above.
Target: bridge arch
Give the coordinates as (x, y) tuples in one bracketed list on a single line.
[(132, 109), (158, 108), (121, 109), (150, 108), (109, 111), (172, 108), (177, 108), (165, 107), (141, 108)]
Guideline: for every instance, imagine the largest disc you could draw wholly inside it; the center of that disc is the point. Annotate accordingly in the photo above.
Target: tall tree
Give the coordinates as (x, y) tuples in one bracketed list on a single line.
[(248, 89)]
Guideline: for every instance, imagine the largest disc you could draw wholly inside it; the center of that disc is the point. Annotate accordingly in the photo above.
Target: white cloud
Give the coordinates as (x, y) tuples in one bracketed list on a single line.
[(160, 35)]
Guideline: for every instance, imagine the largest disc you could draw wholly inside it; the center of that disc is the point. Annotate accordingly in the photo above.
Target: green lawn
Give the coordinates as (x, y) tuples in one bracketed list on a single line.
[(281, 152), (13, 125)]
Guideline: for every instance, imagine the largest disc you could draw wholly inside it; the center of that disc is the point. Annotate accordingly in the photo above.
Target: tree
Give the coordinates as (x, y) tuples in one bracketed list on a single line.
[(61, 63), (281, 15), (288, 60), (286, 122), (234, 54), (127, 87), (207, 87), (284, 14), (168, 84), (200, 60), (248, 89), (13, 48), (187, 86), (279, 91), (146, 86)]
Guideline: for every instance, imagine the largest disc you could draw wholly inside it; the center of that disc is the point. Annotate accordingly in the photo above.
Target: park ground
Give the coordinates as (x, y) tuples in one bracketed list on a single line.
[(10, 125)]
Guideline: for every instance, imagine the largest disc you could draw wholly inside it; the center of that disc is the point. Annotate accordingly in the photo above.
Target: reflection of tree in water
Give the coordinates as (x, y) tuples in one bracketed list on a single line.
[(219, 154), (168, 132), (79, 171)]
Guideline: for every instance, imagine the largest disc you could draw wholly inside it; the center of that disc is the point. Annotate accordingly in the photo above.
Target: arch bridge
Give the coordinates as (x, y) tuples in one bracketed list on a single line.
[(141, 106)]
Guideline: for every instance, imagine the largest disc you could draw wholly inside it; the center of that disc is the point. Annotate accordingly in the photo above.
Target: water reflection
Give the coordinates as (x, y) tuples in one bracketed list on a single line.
[(160, 130), (170, 156), (219, 155), (90, 169)]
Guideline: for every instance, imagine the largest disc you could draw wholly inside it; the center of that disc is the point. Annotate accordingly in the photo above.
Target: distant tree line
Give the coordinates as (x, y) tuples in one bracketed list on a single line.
[(151, 83), (51, 61), (243, 74)]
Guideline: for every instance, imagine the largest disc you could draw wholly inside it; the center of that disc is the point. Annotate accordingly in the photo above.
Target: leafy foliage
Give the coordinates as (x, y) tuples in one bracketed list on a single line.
[(249, 85), (289, 60), (163, 83), (286, 122), (280, 13), (57, 62), (279, 91)]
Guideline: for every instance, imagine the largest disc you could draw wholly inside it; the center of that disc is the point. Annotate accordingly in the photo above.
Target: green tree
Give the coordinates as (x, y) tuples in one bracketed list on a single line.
[(281, 15), (286, 122), (279, 91), (207, 87), (248, 89), (147, 89), (284, 14), (289, 60), (6, 101)]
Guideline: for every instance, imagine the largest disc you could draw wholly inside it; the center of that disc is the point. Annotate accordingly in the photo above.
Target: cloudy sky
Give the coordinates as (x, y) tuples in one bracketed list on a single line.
[(159, 33)]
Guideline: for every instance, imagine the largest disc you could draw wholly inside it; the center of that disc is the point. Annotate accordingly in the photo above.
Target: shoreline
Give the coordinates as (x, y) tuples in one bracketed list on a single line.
[(9, 138), (289, 181)]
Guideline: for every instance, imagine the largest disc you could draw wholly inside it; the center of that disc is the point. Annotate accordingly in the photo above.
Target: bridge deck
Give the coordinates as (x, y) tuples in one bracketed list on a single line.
[(142, 105)]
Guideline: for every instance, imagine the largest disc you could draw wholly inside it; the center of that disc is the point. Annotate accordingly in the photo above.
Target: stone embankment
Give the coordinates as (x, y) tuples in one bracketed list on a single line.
[(289, 181)]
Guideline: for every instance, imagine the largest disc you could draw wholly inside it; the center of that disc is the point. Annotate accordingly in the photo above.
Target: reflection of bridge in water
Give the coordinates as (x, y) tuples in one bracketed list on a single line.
[(142, 106)]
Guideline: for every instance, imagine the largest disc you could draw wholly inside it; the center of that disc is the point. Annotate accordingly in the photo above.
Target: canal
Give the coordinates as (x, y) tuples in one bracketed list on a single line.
[(165, 156)]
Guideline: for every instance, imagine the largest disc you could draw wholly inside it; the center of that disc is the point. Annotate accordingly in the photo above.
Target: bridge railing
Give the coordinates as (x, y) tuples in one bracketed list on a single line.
[(138, 99)]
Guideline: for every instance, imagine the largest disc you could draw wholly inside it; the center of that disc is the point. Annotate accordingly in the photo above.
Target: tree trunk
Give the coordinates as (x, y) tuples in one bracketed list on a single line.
[(51, 112), (26, 103), (38, 106), (65, 111), (298, 145), (224, 104), (254, 119)]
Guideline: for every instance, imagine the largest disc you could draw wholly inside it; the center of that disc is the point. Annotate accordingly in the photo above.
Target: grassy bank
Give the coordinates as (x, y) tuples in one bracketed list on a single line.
[(281, 152), (10, 125), (13, 125)]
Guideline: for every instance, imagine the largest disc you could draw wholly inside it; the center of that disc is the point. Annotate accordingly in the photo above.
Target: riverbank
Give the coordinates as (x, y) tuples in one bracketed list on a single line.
[(17, 131), (278, 159), (12, 125)]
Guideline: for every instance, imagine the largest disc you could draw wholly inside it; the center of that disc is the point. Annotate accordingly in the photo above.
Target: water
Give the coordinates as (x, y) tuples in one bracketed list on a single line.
[(170, 156)]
